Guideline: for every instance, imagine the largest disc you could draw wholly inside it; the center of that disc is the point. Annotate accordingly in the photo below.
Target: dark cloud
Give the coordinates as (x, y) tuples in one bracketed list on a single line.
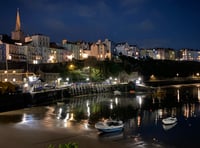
[(155, 43), (145, 26)]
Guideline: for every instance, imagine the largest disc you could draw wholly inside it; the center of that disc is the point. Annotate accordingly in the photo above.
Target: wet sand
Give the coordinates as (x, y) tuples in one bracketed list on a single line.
[(12, 137)]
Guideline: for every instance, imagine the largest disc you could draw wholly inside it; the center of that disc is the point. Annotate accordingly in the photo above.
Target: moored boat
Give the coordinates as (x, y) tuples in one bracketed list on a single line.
[(167, 127), (169, 120), (109, 126), (60, 103), (117, 92), (138, 87)]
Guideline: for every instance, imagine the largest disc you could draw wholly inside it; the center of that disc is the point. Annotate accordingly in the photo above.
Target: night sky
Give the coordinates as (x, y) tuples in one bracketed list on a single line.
[(147, 23)]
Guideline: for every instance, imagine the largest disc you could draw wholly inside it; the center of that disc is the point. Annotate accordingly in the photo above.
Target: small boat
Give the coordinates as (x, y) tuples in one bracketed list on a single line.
[(117, 92), (169, 120), (60, 103), (109, 126), (167, 127)]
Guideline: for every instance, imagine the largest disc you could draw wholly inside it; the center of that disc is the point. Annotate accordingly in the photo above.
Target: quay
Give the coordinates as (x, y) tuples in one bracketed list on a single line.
[(172, 81), (12, 101)]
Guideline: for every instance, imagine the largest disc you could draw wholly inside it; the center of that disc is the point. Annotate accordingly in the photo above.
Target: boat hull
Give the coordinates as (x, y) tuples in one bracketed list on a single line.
[(108, 130), (117, 93), (109, 126), (169, 121), (167, 127)]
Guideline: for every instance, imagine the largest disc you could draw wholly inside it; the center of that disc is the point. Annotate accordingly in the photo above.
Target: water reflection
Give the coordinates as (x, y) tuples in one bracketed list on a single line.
[(178, 95), (198, 91), (9, 119), (113, 135), (189, 110), (168, 127), (142, 113), (124, 107)]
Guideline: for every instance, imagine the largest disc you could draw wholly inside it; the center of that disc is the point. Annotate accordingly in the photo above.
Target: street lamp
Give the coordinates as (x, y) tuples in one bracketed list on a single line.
[(58, 80), (152, 77), (71, 66), (110, 80), (87, 79)]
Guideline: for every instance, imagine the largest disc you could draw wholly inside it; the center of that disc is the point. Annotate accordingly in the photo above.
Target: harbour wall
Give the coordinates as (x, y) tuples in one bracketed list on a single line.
[(15, 101), (164, 82)]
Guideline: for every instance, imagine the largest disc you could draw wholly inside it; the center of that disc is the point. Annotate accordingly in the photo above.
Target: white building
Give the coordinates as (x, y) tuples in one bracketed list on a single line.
[(190, 55), (39, 40), (127, 50)]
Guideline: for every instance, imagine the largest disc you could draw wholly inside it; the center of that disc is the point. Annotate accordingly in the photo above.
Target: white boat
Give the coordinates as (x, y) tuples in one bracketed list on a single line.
[(117, 92), (169, 120), (60, 103), (167, 127), (109, 126)]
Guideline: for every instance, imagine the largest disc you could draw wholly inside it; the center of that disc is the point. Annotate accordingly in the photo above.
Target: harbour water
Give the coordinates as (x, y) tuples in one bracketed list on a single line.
[(142, 114)]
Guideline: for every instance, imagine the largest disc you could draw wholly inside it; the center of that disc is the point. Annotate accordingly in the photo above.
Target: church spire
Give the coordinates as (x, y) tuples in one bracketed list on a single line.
[(17, 34), (18, 23)]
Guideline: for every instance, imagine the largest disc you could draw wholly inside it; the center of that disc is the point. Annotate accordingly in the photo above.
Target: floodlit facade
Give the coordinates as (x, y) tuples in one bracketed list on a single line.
[(189, 54), (84, 50), (16, 53), (12, 75), (73, 50), (127, 50), (34, 54), (101, 50), (40, 40), (158, 53)]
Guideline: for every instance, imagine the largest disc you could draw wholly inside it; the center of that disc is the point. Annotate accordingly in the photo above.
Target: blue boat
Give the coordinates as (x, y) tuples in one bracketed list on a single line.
[(110, 125)]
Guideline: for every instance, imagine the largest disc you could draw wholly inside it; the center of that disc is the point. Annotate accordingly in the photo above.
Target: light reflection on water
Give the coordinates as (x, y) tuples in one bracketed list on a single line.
[(142, 114)]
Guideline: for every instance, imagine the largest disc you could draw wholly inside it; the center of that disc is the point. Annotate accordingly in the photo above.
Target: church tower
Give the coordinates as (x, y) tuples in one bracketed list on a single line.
[(18, 35)]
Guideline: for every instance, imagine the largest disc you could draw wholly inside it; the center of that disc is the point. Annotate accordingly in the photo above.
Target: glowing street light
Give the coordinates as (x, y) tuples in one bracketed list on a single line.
[(152, 77), (110, 80), (71, 66), (87, 79)]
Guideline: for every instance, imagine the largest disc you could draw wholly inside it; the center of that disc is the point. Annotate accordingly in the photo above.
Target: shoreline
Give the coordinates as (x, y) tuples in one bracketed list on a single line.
[(9, 102), (164, 82), (42, 138)]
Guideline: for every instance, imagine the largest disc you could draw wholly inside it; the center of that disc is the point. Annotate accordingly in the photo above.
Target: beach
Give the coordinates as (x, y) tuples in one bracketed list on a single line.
[(43, 137)]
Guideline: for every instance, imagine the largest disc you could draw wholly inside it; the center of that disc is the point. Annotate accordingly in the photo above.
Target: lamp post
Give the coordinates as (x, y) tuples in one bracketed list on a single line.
[(87, 80), (58, 81), (110, 80)]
